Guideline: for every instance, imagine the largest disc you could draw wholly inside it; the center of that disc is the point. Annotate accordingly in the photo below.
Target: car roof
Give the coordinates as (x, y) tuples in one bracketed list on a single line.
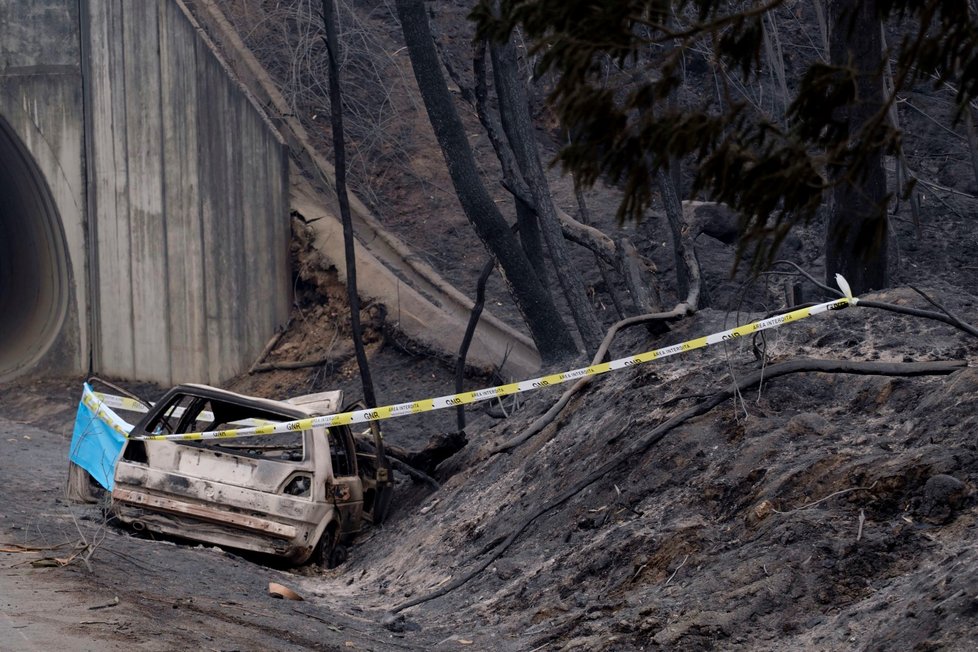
[(300, 406)]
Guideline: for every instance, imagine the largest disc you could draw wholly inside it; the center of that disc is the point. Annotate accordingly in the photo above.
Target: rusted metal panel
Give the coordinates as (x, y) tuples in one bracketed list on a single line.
[(205, 513), (214, 489)]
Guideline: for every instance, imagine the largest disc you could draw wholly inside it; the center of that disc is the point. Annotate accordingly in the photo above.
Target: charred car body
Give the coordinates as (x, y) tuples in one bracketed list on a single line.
[(296, 495)]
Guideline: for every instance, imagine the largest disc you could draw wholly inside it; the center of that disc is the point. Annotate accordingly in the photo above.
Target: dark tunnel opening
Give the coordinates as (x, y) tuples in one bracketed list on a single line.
[(33, 260)]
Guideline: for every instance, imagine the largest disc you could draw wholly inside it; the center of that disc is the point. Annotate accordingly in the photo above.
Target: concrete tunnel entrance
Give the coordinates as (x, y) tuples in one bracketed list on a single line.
[(33, 260)]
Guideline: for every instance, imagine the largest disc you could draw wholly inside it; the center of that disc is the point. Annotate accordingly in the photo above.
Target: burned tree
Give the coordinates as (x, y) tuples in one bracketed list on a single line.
[(549, 332)]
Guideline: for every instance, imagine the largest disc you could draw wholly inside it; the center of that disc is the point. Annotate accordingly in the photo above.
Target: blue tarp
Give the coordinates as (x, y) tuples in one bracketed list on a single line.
[(97, 438)]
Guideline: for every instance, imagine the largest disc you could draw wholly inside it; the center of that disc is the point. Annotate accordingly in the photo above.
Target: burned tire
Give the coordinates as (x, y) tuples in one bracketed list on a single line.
[(336, 556), (330, 552), (82, 487)]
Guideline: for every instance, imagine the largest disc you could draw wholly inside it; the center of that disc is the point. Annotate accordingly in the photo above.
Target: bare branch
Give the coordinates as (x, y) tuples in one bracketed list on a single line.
[(544, 420)]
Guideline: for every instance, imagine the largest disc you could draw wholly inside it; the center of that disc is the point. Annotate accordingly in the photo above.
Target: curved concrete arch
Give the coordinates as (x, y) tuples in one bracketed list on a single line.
[(144, 220), (34, 266)]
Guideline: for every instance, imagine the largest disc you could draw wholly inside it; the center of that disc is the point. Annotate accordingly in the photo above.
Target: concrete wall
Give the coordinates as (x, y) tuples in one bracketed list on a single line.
[(43, 190), (149, 191), (188, 186)]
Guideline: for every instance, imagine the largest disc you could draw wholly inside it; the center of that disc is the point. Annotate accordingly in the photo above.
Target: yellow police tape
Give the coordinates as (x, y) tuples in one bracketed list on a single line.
[(453, 400), (132, 405), (101, 406)]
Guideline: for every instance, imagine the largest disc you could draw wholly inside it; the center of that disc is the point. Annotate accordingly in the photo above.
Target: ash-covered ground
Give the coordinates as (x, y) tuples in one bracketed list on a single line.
[(817, 511)]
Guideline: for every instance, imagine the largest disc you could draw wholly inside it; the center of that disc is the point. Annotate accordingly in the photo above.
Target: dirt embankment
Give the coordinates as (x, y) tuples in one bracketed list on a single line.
[(820, 511)]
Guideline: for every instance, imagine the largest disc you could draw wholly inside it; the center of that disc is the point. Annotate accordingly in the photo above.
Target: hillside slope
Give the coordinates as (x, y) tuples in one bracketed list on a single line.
[(822, 511), (819, 511)]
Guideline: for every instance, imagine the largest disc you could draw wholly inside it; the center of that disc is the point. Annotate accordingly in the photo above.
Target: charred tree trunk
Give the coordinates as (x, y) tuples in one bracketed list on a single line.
[(526, 216), (515, 114), (534, 302), (856, 239), (689, 278), (381, 469), (463, 349), (604, 248), (602, 267), (339, 151), (674, 216)]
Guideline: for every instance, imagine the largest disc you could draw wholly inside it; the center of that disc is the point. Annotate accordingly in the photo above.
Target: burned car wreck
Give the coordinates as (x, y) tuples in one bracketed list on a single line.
[(298, 495)]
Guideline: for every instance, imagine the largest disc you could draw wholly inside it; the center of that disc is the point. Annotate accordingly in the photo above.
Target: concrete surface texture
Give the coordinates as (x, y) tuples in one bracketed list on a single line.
[(143, 197), (190, 193), (43, 284)]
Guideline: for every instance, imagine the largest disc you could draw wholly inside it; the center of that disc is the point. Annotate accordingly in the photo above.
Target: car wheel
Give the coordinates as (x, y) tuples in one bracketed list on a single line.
[(330, 553), (81, 487), (336, 556)]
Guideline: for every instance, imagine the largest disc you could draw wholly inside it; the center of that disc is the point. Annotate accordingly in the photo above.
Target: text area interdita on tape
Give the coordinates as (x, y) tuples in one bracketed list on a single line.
[(464, 398)]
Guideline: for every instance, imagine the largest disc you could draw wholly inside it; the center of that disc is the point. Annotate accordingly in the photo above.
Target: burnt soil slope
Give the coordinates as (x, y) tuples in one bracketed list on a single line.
[(823, 511)]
